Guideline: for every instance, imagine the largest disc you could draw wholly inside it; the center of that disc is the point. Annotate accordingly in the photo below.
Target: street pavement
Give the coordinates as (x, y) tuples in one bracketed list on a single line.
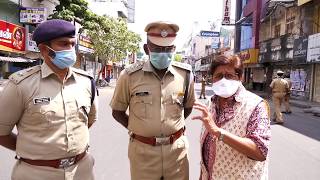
[(294, 151)]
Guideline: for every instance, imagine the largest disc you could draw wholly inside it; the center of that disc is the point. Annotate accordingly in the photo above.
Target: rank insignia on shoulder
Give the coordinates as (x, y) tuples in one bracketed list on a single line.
[(42, 100)]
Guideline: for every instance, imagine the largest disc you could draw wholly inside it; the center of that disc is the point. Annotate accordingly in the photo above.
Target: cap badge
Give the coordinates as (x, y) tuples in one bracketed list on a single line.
[(164, 33)]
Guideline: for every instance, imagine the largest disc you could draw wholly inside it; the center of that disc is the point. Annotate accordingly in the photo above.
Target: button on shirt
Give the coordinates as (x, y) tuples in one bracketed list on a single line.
[(51, 116), (155, 105)]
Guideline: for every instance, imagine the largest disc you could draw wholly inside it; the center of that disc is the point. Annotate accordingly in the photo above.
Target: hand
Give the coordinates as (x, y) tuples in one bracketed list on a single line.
[(206, 118)]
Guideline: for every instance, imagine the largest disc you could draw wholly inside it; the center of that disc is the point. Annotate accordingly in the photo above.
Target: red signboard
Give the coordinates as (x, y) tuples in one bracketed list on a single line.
[(12, 37)]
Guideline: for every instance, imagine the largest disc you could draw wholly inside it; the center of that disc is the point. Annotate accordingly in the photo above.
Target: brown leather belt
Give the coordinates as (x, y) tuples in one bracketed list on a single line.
[(157, 141), (57, 163)]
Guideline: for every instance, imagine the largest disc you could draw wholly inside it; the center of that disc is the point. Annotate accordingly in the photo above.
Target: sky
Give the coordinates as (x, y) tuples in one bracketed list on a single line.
[(190, 15)]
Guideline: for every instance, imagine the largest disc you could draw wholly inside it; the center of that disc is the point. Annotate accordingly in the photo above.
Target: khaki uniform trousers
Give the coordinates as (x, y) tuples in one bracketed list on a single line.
[(278, 99), (169, 162), (83, 170), (286, 102), (203, 92)]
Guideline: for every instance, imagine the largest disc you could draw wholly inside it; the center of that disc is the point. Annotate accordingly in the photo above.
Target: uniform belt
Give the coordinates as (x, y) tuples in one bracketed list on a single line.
[(157, 141), (57, 163)]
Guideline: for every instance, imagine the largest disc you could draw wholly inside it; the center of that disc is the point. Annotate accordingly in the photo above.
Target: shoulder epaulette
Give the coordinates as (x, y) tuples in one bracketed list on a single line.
[(82, 72), (181, 65), (23, 74), (135, 67)]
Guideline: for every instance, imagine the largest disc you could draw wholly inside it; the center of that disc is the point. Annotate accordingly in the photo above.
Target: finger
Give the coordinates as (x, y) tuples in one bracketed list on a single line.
[(199, 104), (202, 109), (197, 117)]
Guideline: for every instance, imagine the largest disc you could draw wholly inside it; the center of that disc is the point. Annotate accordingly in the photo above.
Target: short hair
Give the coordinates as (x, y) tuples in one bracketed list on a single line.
[(232, 61)]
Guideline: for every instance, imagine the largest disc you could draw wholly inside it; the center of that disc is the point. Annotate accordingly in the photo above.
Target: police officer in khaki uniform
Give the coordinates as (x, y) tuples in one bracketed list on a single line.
[(160, 95), (52, 106), (280, 88)]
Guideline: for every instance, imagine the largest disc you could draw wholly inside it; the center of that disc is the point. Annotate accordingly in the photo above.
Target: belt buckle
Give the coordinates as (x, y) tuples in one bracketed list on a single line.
[(162, 141), (67, 162)]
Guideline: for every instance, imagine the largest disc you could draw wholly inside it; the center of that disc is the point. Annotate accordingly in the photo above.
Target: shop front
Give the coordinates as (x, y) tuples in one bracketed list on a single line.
[(254, 74), (12, 49), (301, 71), (313, 57)]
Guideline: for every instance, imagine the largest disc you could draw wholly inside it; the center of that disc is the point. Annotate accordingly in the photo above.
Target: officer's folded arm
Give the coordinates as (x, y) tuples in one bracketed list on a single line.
[(121, 117), (9, 141)]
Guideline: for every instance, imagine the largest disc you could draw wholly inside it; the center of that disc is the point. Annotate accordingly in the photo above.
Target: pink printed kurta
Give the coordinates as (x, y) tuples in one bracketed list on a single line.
[(245, 115)]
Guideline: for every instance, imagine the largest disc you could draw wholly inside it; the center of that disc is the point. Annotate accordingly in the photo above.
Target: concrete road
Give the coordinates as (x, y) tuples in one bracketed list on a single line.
[(294, 151)]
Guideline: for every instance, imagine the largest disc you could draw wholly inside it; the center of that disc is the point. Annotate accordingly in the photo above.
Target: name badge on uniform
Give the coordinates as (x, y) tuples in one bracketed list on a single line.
[(42, 100), (145, 93)]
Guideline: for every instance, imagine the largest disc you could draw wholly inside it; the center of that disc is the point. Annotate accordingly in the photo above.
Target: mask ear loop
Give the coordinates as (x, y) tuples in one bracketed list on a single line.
[(52, 53)]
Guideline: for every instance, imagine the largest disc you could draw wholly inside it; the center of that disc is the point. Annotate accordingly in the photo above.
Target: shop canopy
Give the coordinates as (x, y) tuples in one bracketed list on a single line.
[(16, 59)]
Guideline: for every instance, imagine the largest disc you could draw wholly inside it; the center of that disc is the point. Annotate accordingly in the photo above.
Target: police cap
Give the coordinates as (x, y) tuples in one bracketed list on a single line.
[(162, 33), (53, 29)]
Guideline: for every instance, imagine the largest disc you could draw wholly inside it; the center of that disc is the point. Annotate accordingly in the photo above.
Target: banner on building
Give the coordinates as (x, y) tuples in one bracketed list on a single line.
[(32, 15), (249, 56), (226, 12), (313, 54), (12, 37), (300, 48), (301, 2), (85, 44), (31, 45)]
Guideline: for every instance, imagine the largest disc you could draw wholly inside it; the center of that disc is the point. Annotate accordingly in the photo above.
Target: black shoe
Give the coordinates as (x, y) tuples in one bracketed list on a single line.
[(200, 97), (205, 98), (289, 112), (277, 122)]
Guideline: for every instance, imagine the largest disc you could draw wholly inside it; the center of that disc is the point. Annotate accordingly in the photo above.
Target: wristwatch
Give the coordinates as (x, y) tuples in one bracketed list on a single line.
[(221, 136)]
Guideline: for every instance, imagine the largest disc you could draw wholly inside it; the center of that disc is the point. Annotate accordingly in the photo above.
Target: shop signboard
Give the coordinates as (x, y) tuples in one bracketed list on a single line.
[(301, 2), (226, 12), (313, 54), (249, 56), (31, 45), (12, 37), (300, 48), (32, 15)]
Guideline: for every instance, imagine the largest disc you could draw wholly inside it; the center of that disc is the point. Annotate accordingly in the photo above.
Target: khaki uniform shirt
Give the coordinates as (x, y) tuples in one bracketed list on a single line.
[(155, 105), (51, 116), (279, 85)]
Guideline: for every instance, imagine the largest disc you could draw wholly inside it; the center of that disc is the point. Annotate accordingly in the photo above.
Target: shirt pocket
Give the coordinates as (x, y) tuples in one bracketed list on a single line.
[(41, 115), (174, 107), (141, 106)]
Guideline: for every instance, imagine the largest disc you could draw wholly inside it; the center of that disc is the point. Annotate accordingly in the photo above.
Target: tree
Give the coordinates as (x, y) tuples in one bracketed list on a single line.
[(110, 37)]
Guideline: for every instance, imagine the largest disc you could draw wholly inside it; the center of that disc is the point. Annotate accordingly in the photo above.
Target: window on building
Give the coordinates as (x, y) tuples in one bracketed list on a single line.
[(289, 27), (316, 19), (290, 20), (277, 30)]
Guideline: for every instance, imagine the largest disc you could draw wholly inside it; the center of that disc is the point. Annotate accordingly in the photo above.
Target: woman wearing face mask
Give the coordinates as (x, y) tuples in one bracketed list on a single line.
[(236, 136)]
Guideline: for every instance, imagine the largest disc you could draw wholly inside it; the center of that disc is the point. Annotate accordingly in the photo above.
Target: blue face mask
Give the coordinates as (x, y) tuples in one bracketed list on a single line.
[(64, 59), (160, 60)]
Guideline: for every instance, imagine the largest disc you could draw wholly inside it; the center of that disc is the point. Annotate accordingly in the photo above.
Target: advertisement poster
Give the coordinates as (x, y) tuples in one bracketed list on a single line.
[(12, 37), (226, 12), (31, 15)]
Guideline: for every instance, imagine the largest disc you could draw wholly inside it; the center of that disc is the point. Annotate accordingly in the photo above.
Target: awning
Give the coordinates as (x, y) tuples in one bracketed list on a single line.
[(16, 59)]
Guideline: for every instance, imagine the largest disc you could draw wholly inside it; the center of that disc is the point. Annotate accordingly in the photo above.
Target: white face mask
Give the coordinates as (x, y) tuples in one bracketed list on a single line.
[(225, 88)]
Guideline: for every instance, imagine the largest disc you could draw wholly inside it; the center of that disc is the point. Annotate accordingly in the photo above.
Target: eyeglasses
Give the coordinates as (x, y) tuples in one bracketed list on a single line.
[(229, 76), (154, 48)]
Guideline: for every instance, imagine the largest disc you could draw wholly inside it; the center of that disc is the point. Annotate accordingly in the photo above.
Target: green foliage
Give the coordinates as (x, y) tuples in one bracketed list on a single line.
[(110, 37), (178, 57)]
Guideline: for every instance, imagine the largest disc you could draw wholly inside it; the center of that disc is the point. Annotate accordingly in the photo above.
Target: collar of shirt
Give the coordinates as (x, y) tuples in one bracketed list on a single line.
[(149, 68), (46, 71)]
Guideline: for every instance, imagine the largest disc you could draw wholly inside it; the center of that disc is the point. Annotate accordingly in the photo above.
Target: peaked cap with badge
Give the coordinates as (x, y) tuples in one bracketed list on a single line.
[(162, 33)]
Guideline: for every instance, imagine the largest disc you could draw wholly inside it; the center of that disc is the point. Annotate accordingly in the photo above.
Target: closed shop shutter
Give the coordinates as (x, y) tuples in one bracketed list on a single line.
[(316, 96)]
